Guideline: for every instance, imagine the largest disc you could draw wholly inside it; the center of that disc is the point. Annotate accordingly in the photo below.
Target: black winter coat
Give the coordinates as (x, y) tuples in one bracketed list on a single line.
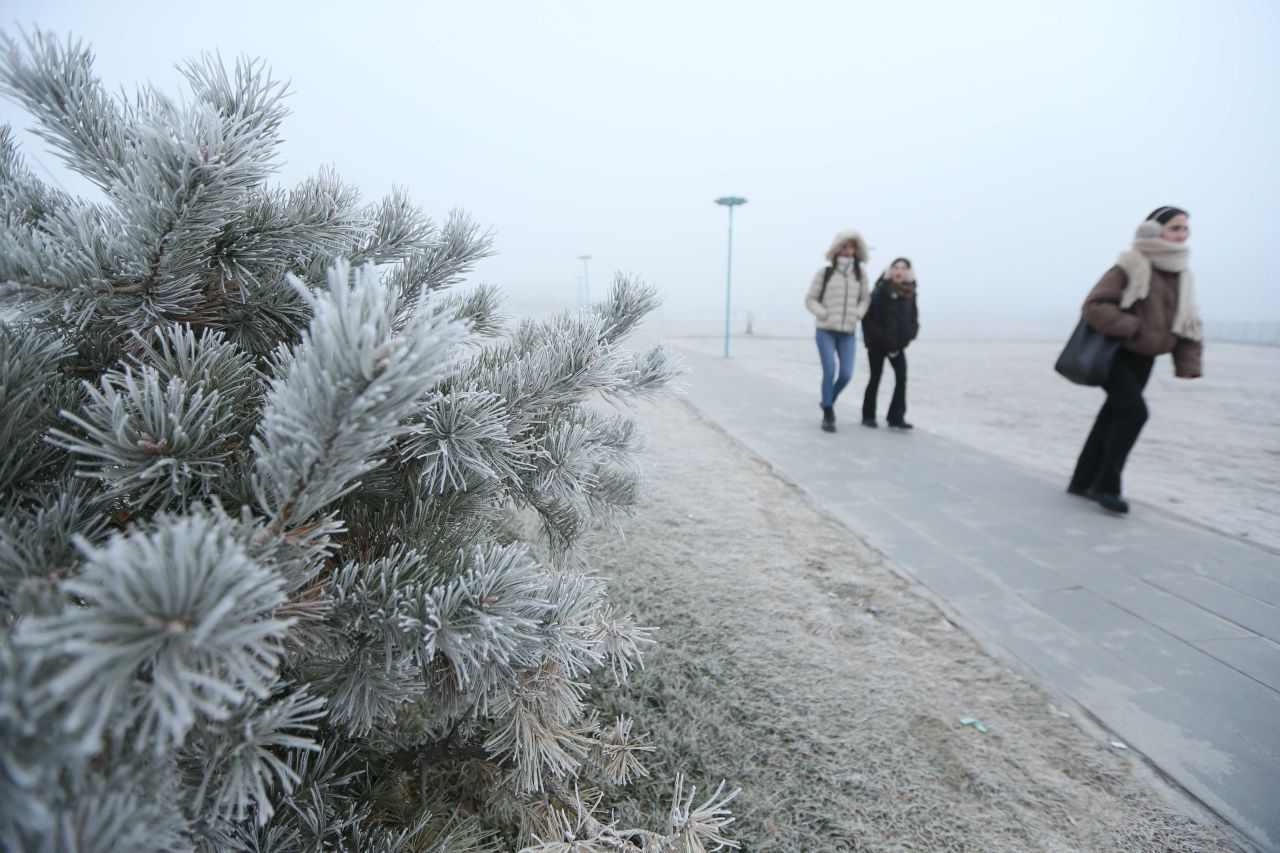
[(892, 321)]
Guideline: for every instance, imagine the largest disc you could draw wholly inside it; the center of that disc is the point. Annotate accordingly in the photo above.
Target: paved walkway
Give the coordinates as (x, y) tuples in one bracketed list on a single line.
[(1167, 633)]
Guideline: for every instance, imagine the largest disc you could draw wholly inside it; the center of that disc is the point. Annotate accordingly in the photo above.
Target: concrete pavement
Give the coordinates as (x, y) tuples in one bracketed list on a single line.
[(1166, 632)]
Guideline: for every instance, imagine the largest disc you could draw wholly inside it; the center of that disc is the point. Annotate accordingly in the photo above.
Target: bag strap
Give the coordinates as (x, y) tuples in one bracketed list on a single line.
[(826, 277)]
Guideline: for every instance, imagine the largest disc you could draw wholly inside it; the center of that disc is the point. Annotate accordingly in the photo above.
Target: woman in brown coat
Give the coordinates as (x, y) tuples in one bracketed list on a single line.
[(1147, 300)]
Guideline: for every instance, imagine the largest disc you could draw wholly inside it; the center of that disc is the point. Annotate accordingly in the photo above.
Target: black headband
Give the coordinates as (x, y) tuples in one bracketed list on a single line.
[(1165, 213)]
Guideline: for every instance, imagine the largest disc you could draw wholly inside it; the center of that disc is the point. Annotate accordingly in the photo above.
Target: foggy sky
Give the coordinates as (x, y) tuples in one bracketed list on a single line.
[(1007, 148)]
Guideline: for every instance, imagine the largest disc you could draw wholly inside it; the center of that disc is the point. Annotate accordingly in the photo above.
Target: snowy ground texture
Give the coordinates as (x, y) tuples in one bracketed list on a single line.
[(1210, 451), (793, 663)]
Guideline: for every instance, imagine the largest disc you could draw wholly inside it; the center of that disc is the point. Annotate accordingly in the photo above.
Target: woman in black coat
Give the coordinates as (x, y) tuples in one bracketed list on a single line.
[(892, 322)]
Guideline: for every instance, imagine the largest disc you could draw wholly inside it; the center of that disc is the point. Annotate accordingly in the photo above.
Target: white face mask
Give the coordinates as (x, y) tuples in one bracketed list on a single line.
[(844, 265)]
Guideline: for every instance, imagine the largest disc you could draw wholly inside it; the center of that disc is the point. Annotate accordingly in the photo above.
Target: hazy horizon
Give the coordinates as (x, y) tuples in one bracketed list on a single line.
[(1009, 149)]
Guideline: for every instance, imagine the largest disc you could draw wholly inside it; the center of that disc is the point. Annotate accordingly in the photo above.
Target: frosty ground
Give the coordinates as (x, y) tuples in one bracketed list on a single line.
[(792, 662), (1209, 453)]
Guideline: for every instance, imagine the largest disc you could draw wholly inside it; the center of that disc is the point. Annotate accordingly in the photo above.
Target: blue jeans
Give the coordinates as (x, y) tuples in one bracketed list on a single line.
[(831, 344)]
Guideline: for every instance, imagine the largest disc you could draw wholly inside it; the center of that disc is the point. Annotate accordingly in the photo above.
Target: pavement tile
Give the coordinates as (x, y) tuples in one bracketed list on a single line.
[(1254, 709), (1164, 610), (1257, 583), (1257, 657), (1206, 554), (1244, 610), (1072, 662), (1017, 571), (1019, 534), (940, 526), (883, 527), (1213, 762), (939, 569)]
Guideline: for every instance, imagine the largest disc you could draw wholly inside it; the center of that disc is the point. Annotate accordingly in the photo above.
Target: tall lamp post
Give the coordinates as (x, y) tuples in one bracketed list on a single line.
[(729, 201), (586, 287)]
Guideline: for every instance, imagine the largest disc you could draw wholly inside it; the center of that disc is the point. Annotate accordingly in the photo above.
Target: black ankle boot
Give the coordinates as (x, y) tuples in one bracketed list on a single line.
[(1109, 502), (828, 419)]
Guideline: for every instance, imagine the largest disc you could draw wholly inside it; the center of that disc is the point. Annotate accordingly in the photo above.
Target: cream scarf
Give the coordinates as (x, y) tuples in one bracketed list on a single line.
[(1148, 251)]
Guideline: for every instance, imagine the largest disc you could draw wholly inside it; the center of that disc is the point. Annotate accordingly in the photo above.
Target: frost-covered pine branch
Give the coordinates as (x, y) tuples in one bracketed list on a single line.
[(262, 580)]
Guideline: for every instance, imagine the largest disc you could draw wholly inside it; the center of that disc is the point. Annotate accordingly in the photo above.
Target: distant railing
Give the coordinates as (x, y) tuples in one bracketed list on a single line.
[(1243, 332), (689, 324)]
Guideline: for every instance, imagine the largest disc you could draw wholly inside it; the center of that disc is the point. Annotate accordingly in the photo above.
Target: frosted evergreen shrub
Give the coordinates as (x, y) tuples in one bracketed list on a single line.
[(259, 584)]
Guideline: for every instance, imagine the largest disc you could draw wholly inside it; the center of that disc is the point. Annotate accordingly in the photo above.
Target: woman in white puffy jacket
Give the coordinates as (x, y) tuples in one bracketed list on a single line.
[(839, 298)]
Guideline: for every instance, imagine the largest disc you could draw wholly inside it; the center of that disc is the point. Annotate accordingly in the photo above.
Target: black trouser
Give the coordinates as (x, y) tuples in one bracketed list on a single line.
[(1117, 426), (898, 406)]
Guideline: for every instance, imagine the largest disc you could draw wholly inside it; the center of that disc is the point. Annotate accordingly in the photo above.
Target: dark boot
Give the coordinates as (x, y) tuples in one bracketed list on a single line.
[(869, 422), (1109, 502), (828, 419), (900, 425)]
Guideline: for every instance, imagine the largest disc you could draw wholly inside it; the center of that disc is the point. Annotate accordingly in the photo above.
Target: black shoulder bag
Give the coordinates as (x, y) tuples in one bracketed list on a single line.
[(1087, 357)]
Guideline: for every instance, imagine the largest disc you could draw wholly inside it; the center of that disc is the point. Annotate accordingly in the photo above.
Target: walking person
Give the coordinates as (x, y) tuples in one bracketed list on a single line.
[(892, 322), (838, 297), (1147, 300)]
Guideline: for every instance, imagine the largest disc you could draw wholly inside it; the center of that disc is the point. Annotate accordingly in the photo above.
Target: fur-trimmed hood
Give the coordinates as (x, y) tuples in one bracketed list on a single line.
[(903, 290), (854, 237)]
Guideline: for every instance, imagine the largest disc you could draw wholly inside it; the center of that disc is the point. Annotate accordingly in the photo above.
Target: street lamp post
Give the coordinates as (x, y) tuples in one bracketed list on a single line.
[(729, 201), (586, 286)]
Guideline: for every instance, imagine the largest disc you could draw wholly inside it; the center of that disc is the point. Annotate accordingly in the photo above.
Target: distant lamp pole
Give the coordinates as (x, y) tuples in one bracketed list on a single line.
[(729, 201), (586, 286)]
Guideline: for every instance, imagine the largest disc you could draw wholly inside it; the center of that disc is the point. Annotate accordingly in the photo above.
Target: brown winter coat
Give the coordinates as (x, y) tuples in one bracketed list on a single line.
[(843, 303), (1145, 327)]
